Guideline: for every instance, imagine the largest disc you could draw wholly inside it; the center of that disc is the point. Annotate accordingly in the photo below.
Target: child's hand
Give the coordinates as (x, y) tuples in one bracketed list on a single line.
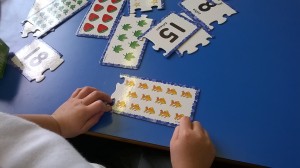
[(191, 146), (81, 111)]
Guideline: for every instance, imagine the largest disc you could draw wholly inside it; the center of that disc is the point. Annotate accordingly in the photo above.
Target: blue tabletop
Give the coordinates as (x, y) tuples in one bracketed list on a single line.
[(249, 76)]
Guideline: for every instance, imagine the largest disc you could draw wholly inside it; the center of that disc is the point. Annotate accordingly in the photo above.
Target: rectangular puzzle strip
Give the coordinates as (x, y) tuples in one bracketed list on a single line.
[(101, 18), (124, 49), (154, 101), (50, 16)]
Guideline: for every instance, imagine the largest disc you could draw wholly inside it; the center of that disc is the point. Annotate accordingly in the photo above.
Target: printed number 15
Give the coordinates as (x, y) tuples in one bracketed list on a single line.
[(171, 35)]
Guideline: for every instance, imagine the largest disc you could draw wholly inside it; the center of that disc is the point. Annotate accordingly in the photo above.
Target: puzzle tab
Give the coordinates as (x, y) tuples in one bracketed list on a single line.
[(35, 59)]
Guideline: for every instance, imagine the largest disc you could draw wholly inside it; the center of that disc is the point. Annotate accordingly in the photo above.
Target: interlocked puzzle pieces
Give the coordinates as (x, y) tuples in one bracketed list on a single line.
[(154, 101), (208, 12), (124, 49), (200, 37), (144, 5), (100, 19), (171, 33), (35, 59), (50, 16)]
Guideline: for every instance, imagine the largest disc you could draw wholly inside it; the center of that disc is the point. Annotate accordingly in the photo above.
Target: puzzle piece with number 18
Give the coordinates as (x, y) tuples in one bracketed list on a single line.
[(208, 12), (35, 59)]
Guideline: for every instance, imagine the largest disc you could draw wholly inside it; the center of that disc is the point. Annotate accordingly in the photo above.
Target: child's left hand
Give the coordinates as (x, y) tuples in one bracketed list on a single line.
[(81, 111)]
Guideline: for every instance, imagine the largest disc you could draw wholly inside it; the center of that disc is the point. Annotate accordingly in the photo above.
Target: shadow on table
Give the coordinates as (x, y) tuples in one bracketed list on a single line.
[(9, 84), (117, 154)]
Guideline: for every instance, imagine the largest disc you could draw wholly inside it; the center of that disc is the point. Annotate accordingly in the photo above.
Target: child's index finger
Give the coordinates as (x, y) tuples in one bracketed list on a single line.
[(185, 123)]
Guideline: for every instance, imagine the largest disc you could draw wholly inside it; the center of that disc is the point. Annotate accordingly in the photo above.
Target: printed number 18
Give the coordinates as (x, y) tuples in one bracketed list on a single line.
[(35, 61), (206, 6), (171, 35)]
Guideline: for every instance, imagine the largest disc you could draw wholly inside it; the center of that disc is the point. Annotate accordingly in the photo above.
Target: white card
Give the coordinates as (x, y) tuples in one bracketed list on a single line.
[(208, 12), (50, 16), (170, 33), (144, 5), (200, 37), (35, 59), (101, 18), (124, 49), (154, 101)]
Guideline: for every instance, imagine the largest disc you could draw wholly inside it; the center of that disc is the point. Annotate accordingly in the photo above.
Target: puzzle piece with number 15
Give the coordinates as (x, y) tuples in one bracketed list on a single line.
[(208, 12), (171, 33), (35, 59)]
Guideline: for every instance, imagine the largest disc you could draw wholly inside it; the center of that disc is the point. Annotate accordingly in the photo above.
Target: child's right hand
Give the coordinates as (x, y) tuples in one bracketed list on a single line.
[(191, 146)]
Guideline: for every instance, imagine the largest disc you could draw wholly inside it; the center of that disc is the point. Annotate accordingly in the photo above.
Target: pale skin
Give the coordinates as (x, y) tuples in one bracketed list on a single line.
[(190, 145)]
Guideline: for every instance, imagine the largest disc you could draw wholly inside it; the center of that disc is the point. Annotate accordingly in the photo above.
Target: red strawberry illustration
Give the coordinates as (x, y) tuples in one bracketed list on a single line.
[(88, 27), (111, 9), (98, 8), (102, 28), (102, 1), (106, 18), (115, 1), (93, 17)]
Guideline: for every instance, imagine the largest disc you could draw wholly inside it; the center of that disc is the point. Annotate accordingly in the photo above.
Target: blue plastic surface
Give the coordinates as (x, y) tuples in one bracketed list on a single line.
[(249, 76)]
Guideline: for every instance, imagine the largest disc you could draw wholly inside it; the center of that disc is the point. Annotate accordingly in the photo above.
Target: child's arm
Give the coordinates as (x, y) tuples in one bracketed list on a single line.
[(191, 146), (77, 115)]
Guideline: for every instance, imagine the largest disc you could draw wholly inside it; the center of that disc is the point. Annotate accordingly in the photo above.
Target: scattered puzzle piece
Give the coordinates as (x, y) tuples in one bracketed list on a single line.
[(50, 16), (208, 12), (142, 102), (171, 33), (144, 5), (101, 18), (35, 59), (200, 37), (124, 49)]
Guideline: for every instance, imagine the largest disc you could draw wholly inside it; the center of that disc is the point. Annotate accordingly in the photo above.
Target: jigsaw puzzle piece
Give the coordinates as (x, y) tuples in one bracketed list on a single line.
[(208, 12), (35, 59), (171, 33), (200, 37), (144, 5)]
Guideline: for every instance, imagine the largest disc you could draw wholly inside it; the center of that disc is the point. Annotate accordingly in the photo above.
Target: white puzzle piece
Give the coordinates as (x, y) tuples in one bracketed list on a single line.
[(144, 5), (171, 33), (101, 18), (50, 16), (124, 49), (35, 59), (208, 12), (154, 101), (200, 37)]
